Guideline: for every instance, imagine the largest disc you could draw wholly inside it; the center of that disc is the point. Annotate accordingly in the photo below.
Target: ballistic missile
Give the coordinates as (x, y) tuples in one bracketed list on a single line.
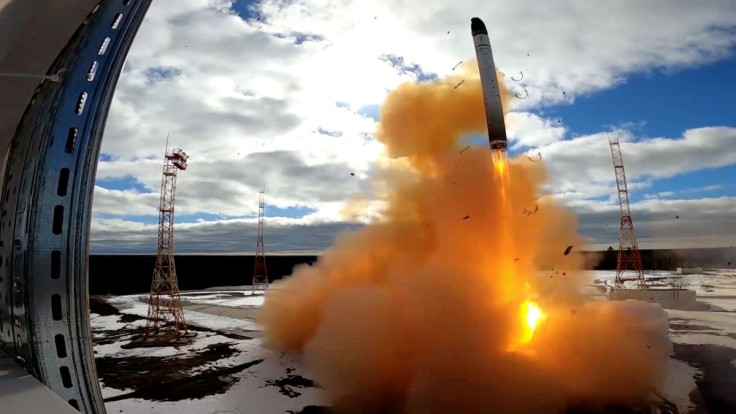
[(489, 83)]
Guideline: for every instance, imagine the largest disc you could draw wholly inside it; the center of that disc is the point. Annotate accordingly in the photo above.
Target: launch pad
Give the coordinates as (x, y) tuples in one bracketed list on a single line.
[(667, 298)]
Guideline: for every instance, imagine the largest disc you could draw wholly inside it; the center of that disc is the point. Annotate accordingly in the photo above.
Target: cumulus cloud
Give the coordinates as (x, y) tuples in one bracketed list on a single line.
[(275, 101)]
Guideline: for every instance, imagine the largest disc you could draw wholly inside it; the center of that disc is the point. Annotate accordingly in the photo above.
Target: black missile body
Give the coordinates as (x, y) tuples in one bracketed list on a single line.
[(489, 83)]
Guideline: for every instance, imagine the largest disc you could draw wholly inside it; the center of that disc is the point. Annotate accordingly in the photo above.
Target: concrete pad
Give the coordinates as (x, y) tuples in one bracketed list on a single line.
[(667, 298)]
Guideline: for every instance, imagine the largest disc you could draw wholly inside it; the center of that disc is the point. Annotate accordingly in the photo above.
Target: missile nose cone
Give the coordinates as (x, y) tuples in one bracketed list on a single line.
[(477, 26)]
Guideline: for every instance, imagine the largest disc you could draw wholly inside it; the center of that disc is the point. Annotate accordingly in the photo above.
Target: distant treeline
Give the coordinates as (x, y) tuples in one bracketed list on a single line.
[(125, 274), (668, 259)]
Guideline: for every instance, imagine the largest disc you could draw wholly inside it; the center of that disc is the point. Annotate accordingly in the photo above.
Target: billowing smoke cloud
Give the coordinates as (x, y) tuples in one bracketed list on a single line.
[(427, 310)]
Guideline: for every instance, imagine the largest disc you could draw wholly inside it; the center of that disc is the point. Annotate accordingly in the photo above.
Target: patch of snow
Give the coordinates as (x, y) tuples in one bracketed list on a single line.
[(251, 393), (678, 383), (704, 339), (108, 392), (138, 305), (106, 323), (229, 301)]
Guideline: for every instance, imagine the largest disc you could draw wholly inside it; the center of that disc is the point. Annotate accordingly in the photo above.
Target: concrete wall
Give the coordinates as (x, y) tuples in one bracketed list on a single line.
[(667, 298), (689, 270)]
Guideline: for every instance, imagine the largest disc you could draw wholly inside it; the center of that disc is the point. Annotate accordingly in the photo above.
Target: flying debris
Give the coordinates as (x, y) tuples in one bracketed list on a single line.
[(526, 94), (458, 85), (568, 250), (520, 78), (352, 174), (530, 212), (677, 217), (466, 217), (489, 83), (464, 149), (539, 157), (458, 64)]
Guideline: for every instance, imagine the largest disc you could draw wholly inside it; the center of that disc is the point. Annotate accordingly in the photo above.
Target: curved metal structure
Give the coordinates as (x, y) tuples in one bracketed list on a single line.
[(46, 202)]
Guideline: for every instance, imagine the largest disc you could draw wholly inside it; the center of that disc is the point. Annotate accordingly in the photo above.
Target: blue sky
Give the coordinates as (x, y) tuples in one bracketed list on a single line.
[(658, 103), (262, 98)]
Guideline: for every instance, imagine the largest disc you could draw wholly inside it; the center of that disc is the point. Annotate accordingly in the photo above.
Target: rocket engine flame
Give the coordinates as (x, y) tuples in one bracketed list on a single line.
[(415, 313), (533, 314)]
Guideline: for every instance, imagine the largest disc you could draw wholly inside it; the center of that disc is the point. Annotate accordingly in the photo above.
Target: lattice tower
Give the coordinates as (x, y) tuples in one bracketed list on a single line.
[(260, 277), (165, 315), (628, 265)]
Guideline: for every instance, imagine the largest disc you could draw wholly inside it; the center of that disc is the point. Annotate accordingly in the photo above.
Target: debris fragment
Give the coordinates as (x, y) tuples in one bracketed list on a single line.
[(448, 32), (530, 212), (466, 217), (539, 157), (458, 64), (516, 259), (353, 174), (520, 77), (564, 274), (677, 217), (526, 94), (563, 92), (461, 82), (463, 150), (568, 250)]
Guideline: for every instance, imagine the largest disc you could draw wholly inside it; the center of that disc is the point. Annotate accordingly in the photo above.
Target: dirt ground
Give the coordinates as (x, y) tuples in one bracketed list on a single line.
[(163, 378)]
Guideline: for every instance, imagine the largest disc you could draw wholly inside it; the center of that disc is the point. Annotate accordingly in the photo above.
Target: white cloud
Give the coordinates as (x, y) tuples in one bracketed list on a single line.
[(247, 99), (526, 129), (586, 160)]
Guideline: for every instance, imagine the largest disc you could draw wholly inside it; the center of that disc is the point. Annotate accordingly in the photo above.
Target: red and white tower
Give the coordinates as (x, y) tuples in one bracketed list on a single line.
[(165, 316), (628, 266), (260, 277)]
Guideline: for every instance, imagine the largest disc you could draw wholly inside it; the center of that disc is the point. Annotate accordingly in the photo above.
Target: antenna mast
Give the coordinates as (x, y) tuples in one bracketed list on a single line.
[(164, 303), (260, 277), (628, 265)]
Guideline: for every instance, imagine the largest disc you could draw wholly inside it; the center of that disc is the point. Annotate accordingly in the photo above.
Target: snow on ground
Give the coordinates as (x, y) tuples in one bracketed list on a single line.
[(107, 322), (679, 383), (224, 369), (138, 305), (250, 378), (246, 300), (257, 390)]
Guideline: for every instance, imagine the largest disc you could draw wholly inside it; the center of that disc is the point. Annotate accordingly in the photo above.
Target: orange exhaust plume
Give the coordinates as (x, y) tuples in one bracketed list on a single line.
[(423, 310)]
